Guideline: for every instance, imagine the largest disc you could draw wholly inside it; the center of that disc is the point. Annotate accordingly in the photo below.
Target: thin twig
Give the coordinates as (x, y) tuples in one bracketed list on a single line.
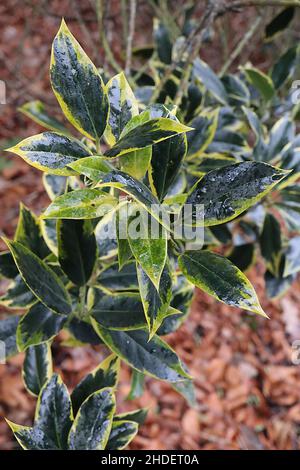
[(263, 3), (214, 9), (210, 14), (124, 21), (130, 37), (187, 46), (240, 46), (100, 12), (169, 20), (83, 27)]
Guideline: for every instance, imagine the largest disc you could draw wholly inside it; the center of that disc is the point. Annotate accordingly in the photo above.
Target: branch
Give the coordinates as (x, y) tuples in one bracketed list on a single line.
[(263, 3), (212, 11), (241, 44), (124, 22), (130, 36), (83, 27), (103, 40)]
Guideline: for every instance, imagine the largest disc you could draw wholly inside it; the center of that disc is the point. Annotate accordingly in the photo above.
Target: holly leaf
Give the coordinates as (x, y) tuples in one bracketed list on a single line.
[(220, 278), (40, 279), (51, 152), (78, 85), (38, 325), (37, 367), (227, 192), (123, 106), (81, 204), (153, 357), (93, 422), (77, 249)]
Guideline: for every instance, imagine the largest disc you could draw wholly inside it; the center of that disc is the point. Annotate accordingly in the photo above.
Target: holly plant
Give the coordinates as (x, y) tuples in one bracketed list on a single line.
[(246, 116), (90, 265)]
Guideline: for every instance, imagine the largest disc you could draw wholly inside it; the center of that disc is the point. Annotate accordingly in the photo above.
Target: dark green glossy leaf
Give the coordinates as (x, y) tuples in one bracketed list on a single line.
[(122, 433), (8, 329), (291, 214), (291, 194), (31, 438), (149, 250), (18, 295), (8, 268), (183, 292), (51, 152), (93, 167), (152, 357), (218, 277), (212, 162), (137, 190), (93, 422), (262, 82), (187, 390), (49, 232), (144, 94), (77, 249), (280, 22), (171, 323), (177, 188), (138, 120), (123, 106), (260, 150), (228, 142), (124, 250), (237, 92), (143, 51), (276, 287), (292, 257), (242, 256), (53, 413), (222, 233), (137, 385), (105, 375), (284, 68), (29, 233), (282, 133), (119, 279), (137, 416), (38, 325), (194, 100), (254, 122), (105, 233), (204, 131), (166, 160), (53, 419), (41, 279), (163, 42), (77, 85), (37, 367), (210, 80), (118, 311), (81, 204), (290, 158), (155, 303), (270, 242), (36, 111), (148, 133), (229, 191), (55, 185), (83, 332)]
